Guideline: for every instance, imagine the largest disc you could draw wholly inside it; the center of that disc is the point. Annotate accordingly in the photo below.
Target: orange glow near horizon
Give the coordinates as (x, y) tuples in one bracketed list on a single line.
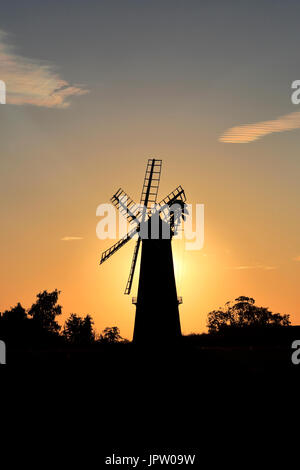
[(205, 279), (50, 239)]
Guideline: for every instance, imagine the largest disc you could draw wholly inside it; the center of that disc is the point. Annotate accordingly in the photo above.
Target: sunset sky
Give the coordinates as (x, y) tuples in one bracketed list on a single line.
[(94, 89)]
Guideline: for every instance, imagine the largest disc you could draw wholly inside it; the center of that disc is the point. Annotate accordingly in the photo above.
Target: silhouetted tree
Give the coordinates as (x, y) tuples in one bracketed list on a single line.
[(110, 335), (45, 311), (243, 313), (79, 330), (15, 315), (14, 325), (88, 333)]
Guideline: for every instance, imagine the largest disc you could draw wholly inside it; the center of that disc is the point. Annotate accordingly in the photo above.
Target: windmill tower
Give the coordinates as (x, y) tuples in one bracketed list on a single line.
[(157, 313)]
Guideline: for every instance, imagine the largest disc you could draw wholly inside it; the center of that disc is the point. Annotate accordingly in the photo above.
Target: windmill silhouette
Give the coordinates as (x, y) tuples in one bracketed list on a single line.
[(157, 313)]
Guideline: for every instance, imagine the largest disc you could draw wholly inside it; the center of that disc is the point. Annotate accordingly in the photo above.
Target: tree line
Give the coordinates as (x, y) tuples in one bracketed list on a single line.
[(243, 313), (38, 325)]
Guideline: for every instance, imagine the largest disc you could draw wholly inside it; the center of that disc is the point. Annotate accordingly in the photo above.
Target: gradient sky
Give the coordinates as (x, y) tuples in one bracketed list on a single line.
[(95, 88)]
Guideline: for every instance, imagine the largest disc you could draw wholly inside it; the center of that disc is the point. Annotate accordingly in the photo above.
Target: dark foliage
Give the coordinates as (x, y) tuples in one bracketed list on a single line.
[(45, 311), (110, 335), (79, 331), (244, 313), (38, 327), (34, 336)]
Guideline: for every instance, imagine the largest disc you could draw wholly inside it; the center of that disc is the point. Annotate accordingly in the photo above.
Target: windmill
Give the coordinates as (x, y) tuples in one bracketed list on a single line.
[(157, 312)]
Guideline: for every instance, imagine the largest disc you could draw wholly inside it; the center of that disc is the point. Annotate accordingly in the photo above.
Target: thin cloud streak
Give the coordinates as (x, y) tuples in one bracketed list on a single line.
[(251, 132), (67, 239), (33, 82), (257, 266)]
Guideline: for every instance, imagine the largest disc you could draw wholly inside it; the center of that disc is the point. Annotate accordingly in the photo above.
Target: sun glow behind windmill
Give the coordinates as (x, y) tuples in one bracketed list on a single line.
[(157, 313)]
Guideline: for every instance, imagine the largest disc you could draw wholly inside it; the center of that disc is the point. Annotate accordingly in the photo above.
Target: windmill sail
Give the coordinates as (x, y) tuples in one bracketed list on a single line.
[(132, 268), (126, 206), (178, 195), (151, 183), (110, 251), (148, 199)]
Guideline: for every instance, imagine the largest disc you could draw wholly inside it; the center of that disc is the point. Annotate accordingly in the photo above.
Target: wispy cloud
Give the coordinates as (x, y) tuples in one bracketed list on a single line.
[(67, 239), (250, 132), (33, 82), (255, 266)]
